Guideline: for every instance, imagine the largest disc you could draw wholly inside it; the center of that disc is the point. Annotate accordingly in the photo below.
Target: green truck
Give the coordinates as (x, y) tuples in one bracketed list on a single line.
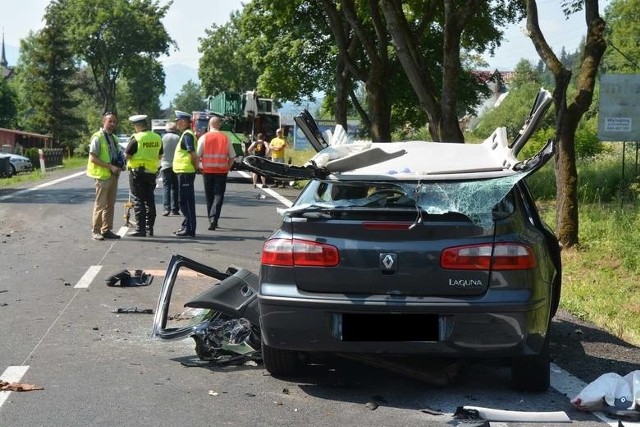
[(245, 115)]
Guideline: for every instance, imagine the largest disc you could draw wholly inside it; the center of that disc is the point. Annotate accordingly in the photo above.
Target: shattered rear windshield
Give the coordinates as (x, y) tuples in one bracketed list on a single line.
[(478, 200)]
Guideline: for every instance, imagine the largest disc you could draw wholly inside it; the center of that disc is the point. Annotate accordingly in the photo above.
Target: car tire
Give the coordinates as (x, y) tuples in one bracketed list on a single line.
[(281, 362), (12, 170), (532, 373)]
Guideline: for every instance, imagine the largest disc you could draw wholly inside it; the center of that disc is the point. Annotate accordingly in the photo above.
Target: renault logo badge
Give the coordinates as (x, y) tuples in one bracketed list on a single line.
[(388, 262)]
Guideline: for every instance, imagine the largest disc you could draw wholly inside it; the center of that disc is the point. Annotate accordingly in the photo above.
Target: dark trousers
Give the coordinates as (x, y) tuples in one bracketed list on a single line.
[(187, 197), (214, 187), (169, 190), (142, 185)]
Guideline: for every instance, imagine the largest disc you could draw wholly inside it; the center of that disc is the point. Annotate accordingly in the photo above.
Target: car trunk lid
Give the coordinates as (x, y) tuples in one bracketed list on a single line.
[(392, 257)]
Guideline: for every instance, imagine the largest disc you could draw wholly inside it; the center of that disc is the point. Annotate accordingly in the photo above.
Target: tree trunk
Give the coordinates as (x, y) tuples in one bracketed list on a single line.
[(380, 109), (342, 94), (567, 220), (568, 114)]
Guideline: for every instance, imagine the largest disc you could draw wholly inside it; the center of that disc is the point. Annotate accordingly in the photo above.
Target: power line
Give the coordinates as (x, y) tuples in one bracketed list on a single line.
[(624, 55)]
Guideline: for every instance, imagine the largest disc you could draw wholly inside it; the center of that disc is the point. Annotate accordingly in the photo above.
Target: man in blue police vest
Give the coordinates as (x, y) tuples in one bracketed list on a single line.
[(143, 159)]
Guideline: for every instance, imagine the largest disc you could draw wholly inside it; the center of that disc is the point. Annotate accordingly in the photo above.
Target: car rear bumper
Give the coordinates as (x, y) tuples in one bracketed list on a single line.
[(386, 325)]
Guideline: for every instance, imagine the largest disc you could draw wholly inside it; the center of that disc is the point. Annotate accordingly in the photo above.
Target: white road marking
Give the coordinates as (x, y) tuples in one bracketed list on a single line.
[(288, 203), (37, 187), (88, 277), (12, 374)]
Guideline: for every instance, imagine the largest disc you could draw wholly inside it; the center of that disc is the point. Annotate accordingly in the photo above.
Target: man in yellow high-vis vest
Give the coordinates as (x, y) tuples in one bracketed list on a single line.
[(185, 165), (143, 160), (104, 166)]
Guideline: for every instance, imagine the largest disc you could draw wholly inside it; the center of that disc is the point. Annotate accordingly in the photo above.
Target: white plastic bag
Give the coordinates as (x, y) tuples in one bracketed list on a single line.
[(610, 389)]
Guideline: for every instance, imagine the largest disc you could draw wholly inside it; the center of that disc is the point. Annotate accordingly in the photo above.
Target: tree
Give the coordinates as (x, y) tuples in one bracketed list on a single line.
[(145, 83), (364, 49), (569, 110), (279, 48), (111, 36), (8, 108), (223, 66), (45, 74), (524, 74), (429, 36), (623, 21), (190, 98)]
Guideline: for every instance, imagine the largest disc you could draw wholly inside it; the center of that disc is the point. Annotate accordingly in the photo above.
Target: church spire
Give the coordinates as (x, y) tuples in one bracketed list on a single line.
[(3, 59)]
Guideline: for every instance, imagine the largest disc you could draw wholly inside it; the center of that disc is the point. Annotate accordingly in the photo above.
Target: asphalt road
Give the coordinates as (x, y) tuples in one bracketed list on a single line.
[(61, 331)]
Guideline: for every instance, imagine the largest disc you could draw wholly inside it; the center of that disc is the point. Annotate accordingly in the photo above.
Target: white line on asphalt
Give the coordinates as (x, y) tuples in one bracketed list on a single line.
[(12, 374), (270, 192), (88, 277), (278, 197), (46, 184)]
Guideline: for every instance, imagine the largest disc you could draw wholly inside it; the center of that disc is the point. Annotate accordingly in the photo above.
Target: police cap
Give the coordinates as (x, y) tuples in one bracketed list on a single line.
[(182, 115), (138, 118)]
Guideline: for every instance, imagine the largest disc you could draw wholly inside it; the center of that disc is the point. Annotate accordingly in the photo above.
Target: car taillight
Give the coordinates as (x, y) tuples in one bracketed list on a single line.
[(501, 256), (304, 253)]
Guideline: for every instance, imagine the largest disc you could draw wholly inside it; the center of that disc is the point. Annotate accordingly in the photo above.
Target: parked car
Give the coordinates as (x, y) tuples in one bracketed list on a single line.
[(123, 140), (404, 249), (18, 164), (437, 251)]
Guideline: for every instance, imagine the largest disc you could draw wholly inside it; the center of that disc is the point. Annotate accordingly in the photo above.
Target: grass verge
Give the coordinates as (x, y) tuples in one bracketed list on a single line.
[(600, 280)]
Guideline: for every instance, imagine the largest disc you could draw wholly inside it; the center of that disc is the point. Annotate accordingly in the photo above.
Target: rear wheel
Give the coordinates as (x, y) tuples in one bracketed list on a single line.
[(531, 373), (281, 362)]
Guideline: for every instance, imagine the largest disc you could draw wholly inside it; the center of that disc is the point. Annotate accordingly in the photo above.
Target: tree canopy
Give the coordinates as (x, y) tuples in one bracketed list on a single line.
[(623, 27), (190, 98), (46, 75), (8, 107), (112, 36)]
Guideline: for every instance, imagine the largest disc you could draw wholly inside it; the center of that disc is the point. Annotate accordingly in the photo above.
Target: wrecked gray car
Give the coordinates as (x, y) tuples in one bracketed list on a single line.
[(412, 248)]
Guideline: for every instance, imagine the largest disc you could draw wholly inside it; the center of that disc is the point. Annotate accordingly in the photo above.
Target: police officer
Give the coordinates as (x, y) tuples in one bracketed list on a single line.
[(143, 156), (185, 165)]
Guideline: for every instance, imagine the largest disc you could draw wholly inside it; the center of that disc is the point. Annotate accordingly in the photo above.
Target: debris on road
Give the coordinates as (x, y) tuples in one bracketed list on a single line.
[(138, 278), (7, 386), (613, 394), (372, 405), (134, 310), (490, 414)]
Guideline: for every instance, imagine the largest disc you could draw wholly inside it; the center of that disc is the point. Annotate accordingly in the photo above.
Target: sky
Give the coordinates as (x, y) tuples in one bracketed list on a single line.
[(187, 21)]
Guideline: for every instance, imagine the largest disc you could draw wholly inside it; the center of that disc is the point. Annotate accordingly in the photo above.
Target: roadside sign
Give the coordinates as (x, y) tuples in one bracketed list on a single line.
[(619, 109)]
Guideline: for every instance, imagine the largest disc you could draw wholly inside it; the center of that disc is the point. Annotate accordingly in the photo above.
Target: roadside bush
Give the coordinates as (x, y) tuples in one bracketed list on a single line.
[(599, 180), (82, 150), (32, 154)]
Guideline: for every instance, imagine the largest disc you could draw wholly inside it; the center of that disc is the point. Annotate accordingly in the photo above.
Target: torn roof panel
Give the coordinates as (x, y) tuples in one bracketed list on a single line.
[(442, 161)]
